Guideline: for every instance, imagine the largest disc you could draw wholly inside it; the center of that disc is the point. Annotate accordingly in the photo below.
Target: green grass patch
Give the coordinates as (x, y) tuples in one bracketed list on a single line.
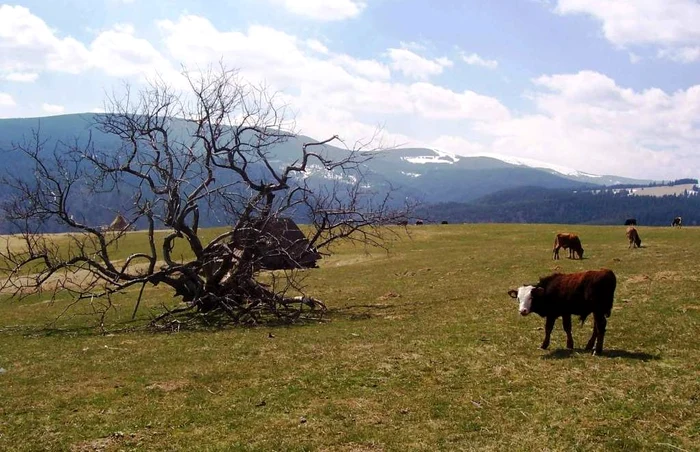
[(421, 349)]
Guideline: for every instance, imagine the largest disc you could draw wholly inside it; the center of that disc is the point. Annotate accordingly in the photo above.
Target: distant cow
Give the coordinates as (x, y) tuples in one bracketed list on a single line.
[(677, 222), (631, 222), (570, 241), (443, 222), (402, 223), (564, 295), (419, 222), (633, 237)]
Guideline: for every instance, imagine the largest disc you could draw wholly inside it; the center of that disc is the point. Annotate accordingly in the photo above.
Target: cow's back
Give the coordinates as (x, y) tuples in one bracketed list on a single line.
[(564, 240), (582, 293)]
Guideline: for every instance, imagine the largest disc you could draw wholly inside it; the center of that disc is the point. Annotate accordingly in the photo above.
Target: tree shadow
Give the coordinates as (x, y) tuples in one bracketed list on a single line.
[(563, 353)]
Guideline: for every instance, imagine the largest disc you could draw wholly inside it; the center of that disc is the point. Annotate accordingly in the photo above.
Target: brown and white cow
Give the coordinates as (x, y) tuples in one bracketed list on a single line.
[(564, 295), (570, 241), (633, 237), (678, 221)]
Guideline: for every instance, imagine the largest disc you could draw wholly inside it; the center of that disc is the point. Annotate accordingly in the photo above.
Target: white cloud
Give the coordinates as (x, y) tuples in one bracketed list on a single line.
[(324, 10), (458, 145), (413, 65), (29, 46), (22, 77), (681, 55), (412, 45), (475, 60), (118, 52), (334, 80), (588, 122), (641, 21), (669, 24), (634, 58), (317, 46), (52, 109), (6, 100), (367, 68)]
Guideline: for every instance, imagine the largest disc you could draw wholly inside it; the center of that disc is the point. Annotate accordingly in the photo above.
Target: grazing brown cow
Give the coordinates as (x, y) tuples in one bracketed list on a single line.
[(633, 237), (419, 222), (402, 223), (677, 222), (564, 295), (570, 241)]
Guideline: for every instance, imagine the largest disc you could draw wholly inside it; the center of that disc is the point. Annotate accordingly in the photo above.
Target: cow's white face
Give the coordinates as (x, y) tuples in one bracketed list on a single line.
[(524, 297)]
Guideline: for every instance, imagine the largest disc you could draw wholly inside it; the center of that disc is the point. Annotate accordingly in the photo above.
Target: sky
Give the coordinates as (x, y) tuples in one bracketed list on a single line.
[(601, 86)]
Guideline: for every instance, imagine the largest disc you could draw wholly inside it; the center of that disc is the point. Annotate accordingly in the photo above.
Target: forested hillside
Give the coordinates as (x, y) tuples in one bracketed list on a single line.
[(539, 205)]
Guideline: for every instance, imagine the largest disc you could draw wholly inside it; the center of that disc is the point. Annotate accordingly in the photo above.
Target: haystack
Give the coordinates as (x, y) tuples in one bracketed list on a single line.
[(279, 244), (118, 224)]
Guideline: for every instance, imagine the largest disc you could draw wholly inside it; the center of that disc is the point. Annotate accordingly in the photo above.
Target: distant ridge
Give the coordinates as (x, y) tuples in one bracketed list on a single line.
[(427, 175)]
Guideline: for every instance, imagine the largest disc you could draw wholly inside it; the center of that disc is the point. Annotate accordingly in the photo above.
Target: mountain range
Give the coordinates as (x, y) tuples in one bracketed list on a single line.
[(436, 175), (427, 175)]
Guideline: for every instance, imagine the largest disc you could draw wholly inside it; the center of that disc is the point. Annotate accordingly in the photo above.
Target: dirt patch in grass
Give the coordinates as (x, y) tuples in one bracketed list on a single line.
[(674, 276), (638, 279), (388, 296), (354, 447), (347, 260), (115, 441), (168, 386)]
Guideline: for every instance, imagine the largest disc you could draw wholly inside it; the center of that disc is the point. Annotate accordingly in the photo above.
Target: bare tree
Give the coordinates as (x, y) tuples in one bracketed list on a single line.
[(178, 156)]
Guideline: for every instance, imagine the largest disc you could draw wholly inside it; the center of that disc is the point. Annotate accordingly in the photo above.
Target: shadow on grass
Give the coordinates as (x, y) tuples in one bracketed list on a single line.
[(191, 324), (564, 353), (52, 329)]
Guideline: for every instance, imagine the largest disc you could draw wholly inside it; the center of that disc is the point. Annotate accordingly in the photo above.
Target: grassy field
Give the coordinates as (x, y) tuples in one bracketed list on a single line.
[(422, 349)]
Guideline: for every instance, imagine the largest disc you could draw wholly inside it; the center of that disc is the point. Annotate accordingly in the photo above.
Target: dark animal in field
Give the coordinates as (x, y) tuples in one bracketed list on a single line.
[(419, 222), (631, 222), (402, 223), (563, 295), (443, 222), (570, 241), (677, 222), (633, 237)]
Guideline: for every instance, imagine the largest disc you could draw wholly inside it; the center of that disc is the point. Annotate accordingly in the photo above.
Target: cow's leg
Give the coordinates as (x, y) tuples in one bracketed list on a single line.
[(566, 321), (548, 327), (555, 253), (601, 323), (591, 341)]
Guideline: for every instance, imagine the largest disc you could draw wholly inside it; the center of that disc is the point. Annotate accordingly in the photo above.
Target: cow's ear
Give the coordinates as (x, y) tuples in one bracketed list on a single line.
[(513, 293), (538, 292)]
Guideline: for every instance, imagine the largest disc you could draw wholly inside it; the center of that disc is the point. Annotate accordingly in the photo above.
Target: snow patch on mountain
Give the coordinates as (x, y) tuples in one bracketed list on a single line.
[(321, 171), (438, 157), (443, 157), (532, 163)]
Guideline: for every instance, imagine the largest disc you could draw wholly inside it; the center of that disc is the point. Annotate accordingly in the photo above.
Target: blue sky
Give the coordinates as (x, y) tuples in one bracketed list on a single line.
[(603, 86)]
